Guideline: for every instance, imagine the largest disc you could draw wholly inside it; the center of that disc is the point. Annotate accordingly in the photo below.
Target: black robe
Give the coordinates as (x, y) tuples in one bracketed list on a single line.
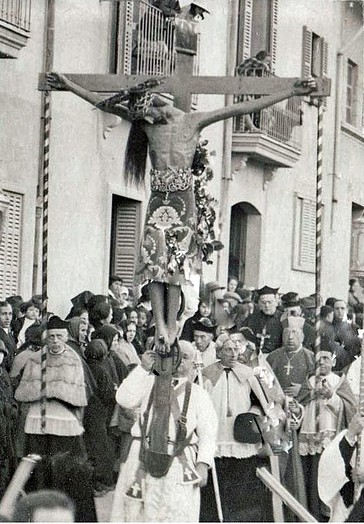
[(258, 320)]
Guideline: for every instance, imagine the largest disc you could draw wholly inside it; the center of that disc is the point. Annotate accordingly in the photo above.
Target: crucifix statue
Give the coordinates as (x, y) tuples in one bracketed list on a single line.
[(170, 252)]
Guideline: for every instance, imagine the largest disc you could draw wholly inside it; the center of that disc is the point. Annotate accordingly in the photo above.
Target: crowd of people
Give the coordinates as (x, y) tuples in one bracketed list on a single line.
[(75, 391)]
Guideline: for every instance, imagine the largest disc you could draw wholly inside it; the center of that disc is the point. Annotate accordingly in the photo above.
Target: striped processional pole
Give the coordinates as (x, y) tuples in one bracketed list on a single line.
[(46, 141), (318, 244)]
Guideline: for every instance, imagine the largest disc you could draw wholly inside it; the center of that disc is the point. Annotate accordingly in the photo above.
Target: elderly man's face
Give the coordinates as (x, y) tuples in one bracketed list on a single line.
[(292, 338), (229, 354), (202, 340), (6, 314), (340, 310), (56, 339), (268, 304), (184, 368)]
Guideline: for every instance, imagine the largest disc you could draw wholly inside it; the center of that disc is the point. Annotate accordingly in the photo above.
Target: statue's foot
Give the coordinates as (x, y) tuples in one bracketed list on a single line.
[(162, 344)]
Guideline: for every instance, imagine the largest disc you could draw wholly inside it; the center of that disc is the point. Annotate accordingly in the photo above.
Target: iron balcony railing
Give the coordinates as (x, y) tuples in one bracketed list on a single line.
[(153, 49), (16, 13), (280, 121)]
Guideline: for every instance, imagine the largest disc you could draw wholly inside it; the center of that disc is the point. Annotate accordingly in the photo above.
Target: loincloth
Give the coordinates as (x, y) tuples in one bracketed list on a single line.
[(169, 250)]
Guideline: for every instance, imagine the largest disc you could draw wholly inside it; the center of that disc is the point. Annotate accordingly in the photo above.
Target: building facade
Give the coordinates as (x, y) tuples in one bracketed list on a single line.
[(264, 178)]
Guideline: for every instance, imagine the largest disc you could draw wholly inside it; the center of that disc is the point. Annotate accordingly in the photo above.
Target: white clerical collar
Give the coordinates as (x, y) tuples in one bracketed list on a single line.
[(295, 351)]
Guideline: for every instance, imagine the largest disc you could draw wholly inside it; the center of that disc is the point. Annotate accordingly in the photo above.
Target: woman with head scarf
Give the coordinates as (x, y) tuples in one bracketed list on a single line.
[(117, 371), (77, 337), (97, 418)]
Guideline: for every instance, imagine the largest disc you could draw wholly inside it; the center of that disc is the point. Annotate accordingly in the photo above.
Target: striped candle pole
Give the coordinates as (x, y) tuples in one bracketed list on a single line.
[(318, 245), (46, 139)]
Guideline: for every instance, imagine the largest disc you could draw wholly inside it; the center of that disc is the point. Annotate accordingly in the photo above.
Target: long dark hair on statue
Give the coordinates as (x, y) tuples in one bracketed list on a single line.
[(136, 154)]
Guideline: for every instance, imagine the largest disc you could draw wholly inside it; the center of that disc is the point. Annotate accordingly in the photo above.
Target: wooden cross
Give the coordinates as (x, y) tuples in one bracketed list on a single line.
[(182, 85)]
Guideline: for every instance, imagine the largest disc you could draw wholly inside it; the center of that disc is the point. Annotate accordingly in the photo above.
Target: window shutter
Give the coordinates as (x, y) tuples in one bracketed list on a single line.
[(308, 235), (247, 28), (304, 240), (306, 51), (125, 239), (325, 65), (274, 31), (10, 246)]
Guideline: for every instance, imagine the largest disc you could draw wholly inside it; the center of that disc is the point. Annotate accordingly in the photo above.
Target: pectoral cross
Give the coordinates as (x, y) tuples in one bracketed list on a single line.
[(135, 488), (262, 336), (288, 368)]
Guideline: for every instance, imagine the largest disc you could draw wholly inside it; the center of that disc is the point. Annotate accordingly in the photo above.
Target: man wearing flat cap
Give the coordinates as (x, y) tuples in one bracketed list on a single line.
[(265, 322), (292, 308), (64, 395)]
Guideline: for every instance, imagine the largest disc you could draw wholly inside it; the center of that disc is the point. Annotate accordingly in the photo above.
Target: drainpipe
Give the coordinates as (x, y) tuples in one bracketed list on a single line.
[(338, 114), (48, 55), (232, 38)]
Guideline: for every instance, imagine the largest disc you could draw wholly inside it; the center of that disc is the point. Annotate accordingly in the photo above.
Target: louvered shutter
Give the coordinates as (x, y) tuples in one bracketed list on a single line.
[(273, 33), (308, 235), (247, 28), (325, 65), (125, 239), (10, 246), (306, 51)]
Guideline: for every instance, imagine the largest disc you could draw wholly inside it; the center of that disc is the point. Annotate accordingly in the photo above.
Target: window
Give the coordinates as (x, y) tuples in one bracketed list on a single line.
[(257, 28), (304, 239), (143, 40), (351, 93), (10, 246), (314, 54), (15, 18), (124, 238)]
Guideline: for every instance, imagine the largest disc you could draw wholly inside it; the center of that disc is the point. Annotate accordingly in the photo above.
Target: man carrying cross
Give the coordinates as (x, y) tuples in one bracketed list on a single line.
[(174, 496), (171, 246)]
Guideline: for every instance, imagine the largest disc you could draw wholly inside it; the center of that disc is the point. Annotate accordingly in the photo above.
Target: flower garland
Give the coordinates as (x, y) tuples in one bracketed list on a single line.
[(205, 203)]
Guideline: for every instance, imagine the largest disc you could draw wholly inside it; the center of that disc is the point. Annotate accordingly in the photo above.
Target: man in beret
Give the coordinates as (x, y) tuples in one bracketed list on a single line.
[(265, 322), (292, 308), (63, 397), (203, 342), (231, 385)]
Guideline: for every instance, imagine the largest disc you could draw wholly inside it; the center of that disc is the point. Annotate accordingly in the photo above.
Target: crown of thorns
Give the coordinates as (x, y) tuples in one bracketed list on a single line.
[(139, 98)]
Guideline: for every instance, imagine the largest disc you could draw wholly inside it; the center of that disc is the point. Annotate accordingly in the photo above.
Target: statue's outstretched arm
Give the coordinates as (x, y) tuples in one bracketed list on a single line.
[(301, 88), (59, 81)]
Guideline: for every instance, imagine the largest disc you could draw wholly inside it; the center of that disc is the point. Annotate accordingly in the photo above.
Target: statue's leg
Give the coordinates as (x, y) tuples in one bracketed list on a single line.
[(157, 298), (173, 303)]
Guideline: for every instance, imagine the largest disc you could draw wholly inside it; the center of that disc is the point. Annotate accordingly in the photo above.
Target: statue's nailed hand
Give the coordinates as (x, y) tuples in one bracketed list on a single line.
[(56, 80), (305, 86)]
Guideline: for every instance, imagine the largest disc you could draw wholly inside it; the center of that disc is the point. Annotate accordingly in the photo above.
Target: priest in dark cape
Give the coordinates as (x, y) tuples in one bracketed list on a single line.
[(265, 321)]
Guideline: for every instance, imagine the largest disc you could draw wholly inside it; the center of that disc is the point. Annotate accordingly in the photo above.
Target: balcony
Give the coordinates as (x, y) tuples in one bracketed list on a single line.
[(271, 136), (148, 40), (14, 26)]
